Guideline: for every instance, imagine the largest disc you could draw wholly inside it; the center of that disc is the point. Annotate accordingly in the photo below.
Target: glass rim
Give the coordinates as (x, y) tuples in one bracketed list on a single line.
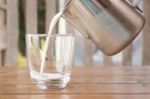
[(51, 35)]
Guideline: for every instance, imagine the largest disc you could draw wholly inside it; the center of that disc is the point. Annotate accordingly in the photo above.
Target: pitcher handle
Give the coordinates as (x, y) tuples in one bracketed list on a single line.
[(135, 4)]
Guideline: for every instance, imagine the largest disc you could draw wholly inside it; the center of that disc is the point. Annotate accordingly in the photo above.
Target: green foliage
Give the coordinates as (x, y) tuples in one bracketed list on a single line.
[(21, 60)]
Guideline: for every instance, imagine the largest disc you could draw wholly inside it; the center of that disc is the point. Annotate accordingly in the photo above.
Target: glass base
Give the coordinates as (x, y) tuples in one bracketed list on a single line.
[(50, 84), (50, 80)]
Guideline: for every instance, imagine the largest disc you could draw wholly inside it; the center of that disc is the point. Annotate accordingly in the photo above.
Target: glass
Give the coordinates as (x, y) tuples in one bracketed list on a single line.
[(58, 60)]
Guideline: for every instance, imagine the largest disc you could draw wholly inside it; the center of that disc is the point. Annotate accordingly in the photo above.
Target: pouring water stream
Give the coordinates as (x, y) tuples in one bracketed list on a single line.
[(51, 27)]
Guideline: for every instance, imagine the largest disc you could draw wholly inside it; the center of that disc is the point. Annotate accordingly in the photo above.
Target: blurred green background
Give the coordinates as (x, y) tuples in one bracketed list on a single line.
[(41, 28)]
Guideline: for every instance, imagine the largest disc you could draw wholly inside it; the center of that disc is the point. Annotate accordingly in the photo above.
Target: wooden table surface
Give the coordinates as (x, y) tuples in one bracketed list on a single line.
[(109, 82)]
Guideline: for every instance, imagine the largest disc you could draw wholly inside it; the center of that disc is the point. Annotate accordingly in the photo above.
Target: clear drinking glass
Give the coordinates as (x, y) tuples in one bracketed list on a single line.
[(58, 59)]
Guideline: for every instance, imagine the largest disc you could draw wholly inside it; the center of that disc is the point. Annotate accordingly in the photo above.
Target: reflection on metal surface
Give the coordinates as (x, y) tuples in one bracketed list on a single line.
[(110, 24)]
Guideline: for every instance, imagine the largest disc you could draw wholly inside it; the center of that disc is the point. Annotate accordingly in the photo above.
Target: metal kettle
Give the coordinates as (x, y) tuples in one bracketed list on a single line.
[(110, 24)]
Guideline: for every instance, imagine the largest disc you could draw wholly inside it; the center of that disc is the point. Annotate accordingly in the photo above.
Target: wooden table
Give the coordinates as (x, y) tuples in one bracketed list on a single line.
[(126, 82)]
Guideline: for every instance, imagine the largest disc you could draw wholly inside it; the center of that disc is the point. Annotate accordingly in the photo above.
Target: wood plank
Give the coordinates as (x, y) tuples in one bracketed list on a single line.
[(75, 88), (88, 70), (0, 58), (146, 34), (75, 96), (51, 7), (84, 81), (107, 60), (84, 78), (88, 55), (31, 16), (3, 6), (127, 55), (12, 32), (22, 87), (2, 30)]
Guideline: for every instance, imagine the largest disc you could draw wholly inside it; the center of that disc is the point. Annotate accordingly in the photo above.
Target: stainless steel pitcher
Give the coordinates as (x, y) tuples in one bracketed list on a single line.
[(110, 24)]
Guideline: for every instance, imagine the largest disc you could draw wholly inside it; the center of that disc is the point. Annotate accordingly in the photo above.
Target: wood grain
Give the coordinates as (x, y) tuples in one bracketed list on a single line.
[(88, 55), (51, 7), (131, 82), (2, 30), (31, 16), (12, 32), (127, 55), (146, 37), (102, 96)]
